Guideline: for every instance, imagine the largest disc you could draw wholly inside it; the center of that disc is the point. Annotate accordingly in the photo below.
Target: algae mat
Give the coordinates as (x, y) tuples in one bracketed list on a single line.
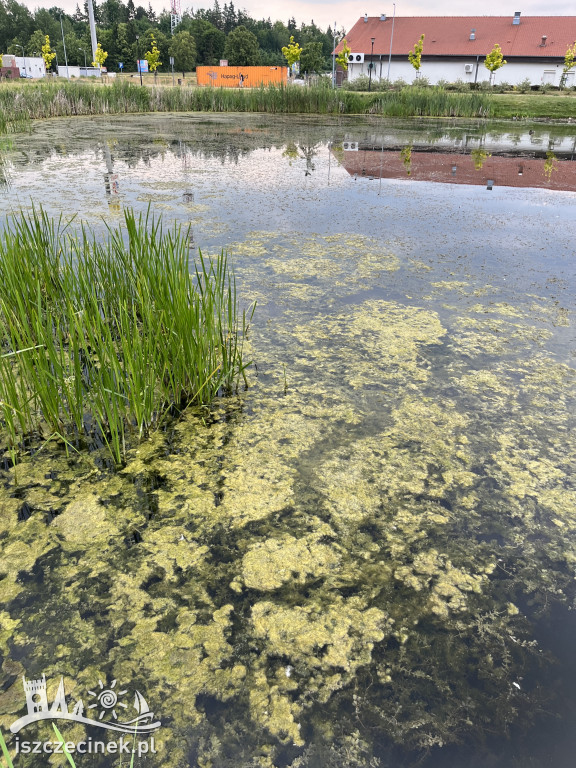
[(367, 557)]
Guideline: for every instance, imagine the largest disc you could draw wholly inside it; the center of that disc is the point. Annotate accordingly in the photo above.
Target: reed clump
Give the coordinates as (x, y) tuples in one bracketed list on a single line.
[(21, 103), (102, 340)]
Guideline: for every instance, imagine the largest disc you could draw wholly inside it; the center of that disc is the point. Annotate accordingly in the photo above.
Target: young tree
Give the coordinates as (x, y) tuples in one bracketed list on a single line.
[(47, 54), (35, 43), (312, 59), (153, 56), (415, 56), (183, 49), (568, 64), (494, 61), (241, 48), (292, 52), (100, 56), (342, 58)]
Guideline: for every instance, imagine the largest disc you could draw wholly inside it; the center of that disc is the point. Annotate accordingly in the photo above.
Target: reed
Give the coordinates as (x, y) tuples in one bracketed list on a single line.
[(22, 103), (101, 340)]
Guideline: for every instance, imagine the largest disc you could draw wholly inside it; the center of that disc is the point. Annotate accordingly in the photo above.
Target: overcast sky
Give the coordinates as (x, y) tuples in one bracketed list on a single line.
[(346, 12)]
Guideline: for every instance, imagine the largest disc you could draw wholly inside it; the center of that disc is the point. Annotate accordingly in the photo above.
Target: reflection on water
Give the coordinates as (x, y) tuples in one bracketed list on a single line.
[(367, 558)]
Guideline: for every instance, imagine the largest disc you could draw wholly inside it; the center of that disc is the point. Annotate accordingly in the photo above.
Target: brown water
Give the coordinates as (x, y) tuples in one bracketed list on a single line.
[(367, 557)]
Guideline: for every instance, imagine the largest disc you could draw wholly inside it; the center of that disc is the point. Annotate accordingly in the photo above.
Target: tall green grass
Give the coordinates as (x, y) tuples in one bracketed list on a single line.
[(100, 341), (21, 103)]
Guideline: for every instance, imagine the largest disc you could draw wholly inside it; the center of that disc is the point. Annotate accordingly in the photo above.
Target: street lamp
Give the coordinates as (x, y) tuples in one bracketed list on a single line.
[(85, 66), (138, 59), (371, 64)]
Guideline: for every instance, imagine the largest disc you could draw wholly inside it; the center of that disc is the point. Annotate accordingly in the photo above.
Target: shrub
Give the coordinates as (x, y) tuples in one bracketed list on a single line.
[(524, 86), (399, 84), (460, 86), (359, 83), (384, 85)]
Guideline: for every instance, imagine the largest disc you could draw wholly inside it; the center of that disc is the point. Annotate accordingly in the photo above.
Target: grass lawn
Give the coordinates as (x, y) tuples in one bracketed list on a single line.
[(553, 106)]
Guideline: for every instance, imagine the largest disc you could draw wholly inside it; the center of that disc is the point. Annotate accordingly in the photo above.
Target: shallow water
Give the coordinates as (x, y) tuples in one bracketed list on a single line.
[(366, 558)]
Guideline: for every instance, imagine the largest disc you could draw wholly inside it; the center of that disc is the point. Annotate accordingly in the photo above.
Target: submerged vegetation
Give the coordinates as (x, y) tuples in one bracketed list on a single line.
[(19, 104), (101, 341)]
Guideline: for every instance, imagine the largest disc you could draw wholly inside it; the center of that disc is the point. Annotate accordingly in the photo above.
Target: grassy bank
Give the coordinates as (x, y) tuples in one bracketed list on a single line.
[(540, 105), (21, 103), (100, 340)]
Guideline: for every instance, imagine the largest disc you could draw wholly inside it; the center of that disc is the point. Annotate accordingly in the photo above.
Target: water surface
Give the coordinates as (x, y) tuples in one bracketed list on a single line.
[(367, 557)]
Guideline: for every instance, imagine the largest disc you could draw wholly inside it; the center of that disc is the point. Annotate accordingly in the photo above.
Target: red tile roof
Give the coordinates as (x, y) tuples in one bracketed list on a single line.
[(450, 35)]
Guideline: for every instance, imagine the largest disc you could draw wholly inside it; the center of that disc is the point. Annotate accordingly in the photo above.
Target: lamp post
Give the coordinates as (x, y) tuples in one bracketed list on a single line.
[(391, 39), (371, 64), (85, 66), (138, 59)]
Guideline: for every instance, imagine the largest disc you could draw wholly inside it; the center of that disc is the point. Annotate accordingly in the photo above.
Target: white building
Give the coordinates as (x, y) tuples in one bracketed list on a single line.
[(455, 47), (29, 66)]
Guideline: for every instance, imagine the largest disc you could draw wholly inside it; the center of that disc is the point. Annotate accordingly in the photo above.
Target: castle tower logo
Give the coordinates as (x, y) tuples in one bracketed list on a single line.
[(106, 707)]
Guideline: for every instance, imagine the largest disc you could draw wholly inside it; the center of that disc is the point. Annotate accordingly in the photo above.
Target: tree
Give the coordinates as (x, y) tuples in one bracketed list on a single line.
[(100, 56), (342, 58), (415, 56), (568, 64), (47, 54), (153, 56), (494, 61), (241, 48), (183, 49), (292, 52), (35, 43), (312, 58), (210, 41)]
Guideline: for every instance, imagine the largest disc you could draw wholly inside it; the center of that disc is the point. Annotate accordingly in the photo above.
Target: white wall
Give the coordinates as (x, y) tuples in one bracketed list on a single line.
[(512, 73), (70, 71), (31, 66)]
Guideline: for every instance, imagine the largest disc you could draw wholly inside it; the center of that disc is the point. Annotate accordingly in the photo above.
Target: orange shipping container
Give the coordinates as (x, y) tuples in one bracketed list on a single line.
[(241, 77)]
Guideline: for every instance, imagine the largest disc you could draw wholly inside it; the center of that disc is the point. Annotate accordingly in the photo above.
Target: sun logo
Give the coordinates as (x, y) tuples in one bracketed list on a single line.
[(107, 699)]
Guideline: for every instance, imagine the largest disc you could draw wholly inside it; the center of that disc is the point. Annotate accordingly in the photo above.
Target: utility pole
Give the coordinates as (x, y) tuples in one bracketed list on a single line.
[(92, 23), (334, 57), (64, 44), (391, 39)]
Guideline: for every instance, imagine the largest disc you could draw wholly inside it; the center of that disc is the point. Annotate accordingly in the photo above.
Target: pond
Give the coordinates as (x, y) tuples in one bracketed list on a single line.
[(367, 557)]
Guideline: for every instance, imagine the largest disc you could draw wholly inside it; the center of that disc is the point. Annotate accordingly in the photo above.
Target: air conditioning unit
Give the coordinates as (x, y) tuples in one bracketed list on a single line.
[(356, 58), (350, 146), (468, 68)]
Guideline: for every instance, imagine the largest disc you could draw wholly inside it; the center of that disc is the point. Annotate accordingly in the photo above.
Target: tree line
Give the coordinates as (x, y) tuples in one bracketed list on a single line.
[(127, 31)]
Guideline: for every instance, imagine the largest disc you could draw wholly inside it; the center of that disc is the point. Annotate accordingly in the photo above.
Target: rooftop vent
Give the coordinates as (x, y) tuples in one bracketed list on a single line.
[(516, 19), (472, 34), (382, 17), (366, 18), (543, 43)]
